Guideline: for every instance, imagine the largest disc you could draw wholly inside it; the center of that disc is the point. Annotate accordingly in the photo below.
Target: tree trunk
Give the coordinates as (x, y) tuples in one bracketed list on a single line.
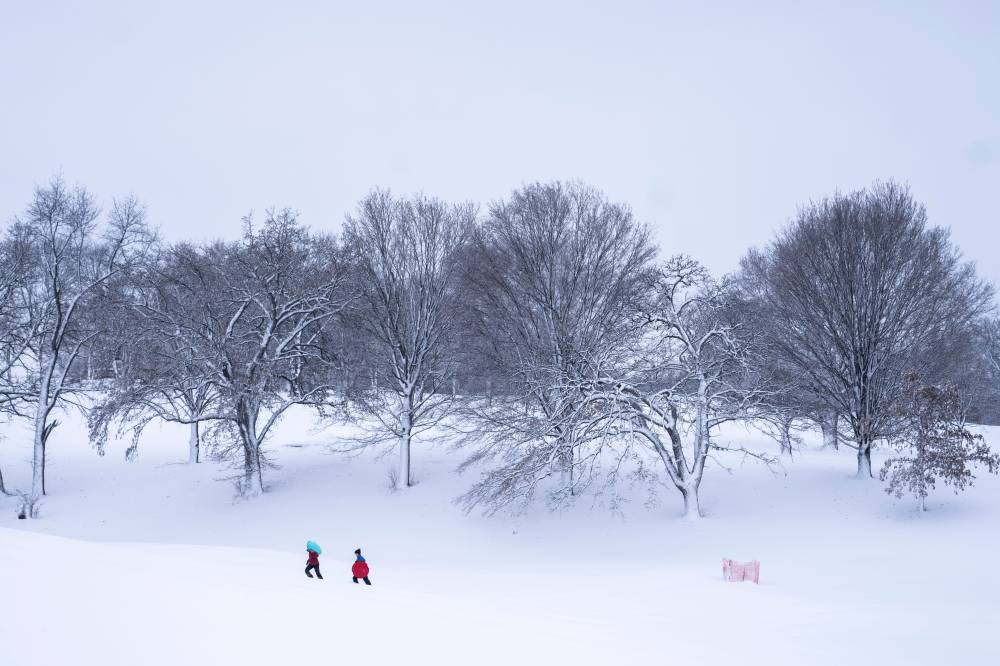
[(703, 442), (253, 479), (786, 437), (570, 460), (864, 459), (3, 488), (923, 505), (38, 457), (566, 459), (42, 431), (686, 482), (194, 444), (829, 427), (253, 482), (404, 479), (692, 504)]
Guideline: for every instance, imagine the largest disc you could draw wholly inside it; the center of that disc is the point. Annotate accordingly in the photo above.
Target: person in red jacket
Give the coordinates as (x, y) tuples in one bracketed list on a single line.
[(313, 563), (360, 568)]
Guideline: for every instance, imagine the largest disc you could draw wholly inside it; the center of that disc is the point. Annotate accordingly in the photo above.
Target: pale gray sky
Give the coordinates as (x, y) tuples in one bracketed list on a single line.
[(713, 120)]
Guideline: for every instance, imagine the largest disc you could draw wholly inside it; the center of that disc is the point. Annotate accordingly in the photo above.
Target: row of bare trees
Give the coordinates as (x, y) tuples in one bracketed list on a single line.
[(543, 334), (611, 361)]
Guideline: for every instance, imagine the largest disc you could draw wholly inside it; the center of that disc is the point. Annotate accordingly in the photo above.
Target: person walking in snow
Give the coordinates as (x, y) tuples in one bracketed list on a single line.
[(360, 568), (312, 563)]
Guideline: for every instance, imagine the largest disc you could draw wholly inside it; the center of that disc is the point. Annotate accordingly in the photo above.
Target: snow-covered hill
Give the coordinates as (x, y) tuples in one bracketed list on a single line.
[(152, 562)]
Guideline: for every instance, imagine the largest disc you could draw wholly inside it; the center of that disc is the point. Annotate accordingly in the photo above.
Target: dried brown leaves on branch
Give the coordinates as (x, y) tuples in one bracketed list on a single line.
[(933, 444)]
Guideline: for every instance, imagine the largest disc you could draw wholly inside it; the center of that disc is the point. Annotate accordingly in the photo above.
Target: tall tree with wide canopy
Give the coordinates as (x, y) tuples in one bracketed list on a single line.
[(553, 279), (858, 289), (252, 317)]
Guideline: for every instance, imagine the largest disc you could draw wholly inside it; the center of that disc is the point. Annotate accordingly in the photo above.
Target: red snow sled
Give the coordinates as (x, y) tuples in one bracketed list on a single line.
[(360, 569), (736, 572)]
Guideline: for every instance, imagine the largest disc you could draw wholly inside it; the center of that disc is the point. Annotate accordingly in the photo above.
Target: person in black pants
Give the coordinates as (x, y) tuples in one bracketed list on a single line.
[(313, 564), (360, 568)]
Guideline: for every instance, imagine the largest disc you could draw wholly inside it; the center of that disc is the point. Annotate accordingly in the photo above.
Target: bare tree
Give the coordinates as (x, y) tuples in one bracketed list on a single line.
[(703, 364), (698, 364), (991, 348), (858, 289), (800, 398), (407, 251), (252, 317), (73, 258), (16, 330), (157, 377), (974, 365), (781, 425), (552, 275), (796, 406), (682, 367)]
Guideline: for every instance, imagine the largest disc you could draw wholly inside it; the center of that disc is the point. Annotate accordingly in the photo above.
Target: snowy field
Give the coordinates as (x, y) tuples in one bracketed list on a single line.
[(152, 562)]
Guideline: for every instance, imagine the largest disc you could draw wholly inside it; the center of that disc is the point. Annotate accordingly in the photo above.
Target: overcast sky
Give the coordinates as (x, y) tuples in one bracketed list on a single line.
[(713, 120)]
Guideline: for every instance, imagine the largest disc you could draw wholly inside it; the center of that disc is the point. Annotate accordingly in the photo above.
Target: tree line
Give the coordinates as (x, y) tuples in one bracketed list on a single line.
[(545, 333)]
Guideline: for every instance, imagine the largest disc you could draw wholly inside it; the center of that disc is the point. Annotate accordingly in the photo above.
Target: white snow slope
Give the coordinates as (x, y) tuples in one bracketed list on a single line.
[(151, 562)]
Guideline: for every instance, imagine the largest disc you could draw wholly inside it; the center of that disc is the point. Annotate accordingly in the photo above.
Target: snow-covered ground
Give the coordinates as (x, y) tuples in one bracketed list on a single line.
[(151, 562)]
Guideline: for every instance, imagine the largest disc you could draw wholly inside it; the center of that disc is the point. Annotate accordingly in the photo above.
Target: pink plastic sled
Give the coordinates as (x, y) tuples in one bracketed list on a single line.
[(736, 572)]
